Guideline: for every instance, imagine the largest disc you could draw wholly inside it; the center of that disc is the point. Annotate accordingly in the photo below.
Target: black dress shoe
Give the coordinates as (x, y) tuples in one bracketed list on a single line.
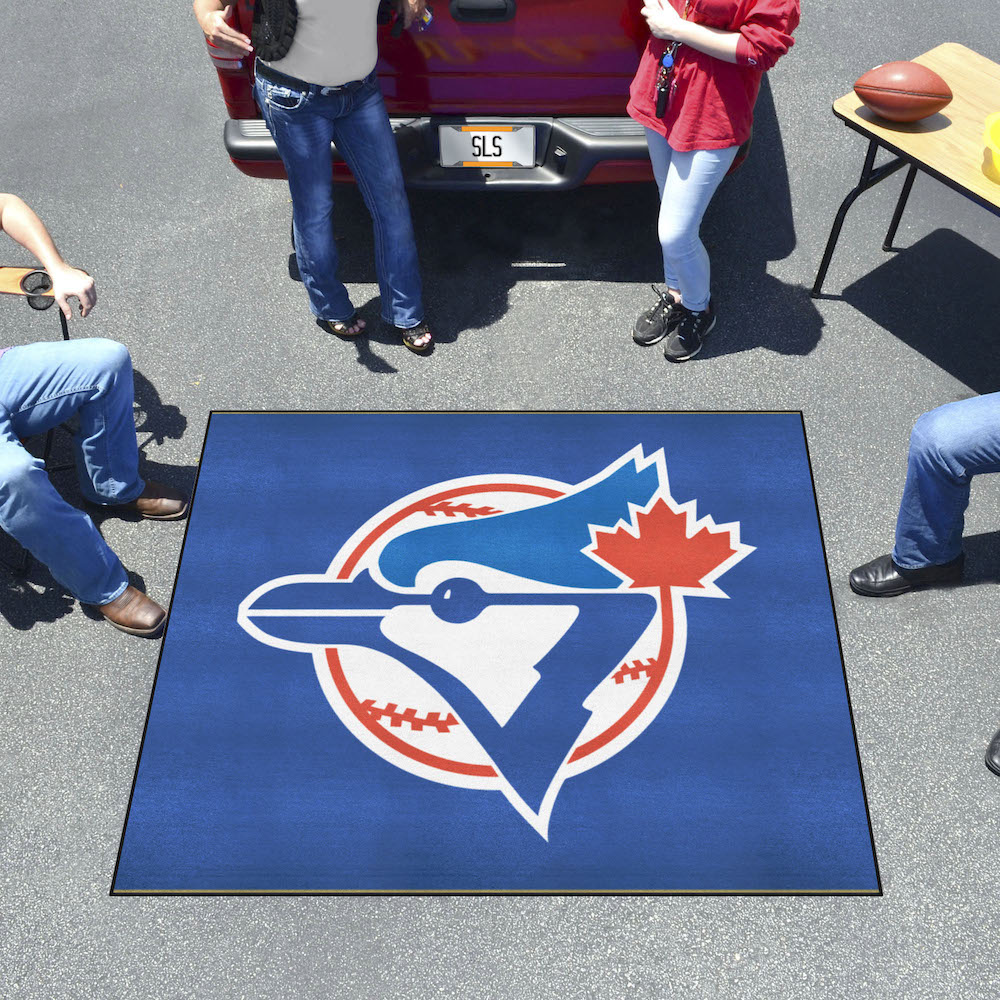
[(993, 753), (883, 578)]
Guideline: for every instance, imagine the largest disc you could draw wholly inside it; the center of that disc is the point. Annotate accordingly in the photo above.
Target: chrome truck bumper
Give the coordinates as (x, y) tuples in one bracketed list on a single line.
[(568, 152)]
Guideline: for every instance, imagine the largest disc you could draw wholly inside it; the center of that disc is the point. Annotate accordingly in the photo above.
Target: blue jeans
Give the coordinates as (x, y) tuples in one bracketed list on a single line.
[(42, 385), (948, 447), (303, 123), (687, 182)]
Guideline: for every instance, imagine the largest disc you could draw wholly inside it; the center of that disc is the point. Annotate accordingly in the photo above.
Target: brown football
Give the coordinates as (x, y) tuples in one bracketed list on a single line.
[(903, 91)]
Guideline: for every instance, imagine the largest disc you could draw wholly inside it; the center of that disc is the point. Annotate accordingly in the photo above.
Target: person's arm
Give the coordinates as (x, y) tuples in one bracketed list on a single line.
[(211, 15), (21, 224), (664, 22), (763, 38)]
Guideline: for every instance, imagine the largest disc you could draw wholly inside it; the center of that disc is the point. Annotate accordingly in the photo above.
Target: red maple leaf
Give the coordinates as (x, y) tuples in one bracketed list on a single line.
[(662, 555)]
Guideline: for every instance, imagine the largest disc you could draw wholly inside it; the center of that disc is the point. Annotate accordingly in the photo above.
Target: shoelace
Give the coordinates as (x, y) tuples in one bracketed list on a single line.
[(666, 302)]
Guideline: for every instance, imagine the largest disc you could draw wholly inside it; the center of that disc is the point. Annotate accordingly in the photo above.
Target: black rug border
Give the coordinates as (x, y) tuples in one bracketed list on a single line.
[(504, 892)]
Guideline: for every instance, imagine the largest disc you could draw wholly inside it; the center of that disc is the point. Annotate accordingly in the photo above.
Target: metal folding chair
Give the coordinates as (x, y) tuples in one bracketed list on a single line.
[(35, 287)]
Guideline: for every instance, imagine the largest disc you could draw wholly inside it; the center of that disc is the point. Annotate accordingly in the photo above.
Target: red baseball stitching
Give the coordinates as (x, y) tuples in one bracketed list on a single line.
[(454, 509), (634, 670), (396, 718), (432, 720)]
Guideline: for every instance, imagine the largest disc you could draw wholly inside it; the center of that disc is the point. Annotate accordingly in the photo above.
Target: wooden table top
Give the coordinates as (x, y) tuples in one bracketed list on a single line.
[(949, 143)]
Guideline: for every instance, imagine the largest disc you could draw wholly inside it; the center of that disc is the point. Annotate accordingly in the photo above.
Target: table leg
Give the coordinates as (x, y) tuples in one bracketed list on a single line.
[(870, 176), (900, 205)]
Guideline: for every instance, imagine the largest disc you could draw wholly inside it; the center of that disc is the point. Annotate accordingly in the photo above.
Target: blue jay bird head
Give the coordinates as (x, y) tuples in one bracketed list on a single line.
[(469, 634)]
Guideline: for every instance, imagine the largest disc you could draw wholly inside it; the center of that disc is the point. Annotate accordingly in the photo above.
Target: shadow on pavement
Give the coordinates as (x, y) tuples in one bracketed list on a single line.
[(376, 332), (153, 417), (474, 247), (942, 297), (749, 224), (22, 603)]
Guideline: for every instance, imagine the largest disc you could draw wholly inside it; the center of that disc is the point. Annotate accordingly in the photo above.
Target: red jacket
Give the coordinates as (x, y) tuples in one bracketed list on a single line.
[(711, 101)]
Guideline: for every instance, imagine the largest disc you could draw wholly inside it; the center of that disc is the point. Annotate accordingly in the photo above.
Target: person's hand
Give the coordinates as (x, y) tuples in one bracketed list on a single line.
[(410, 10), (72, 283), (222, 35), (664, 22)]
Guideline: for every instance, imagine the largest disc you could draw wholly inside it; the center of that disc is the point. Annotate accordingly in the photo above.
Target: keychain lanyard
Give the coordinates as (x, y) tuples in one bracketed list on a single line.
[(666, 71)]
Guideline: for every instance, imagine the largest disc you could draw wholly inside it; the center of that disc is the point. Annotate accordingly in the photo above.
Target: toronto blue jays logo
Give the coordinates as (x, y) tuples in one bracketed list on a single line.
[(505, 633)]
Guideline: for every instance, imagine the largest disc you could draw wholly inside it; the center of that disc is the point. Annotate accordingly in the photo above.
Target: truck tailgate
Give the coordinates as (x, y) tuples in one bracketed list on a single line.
[(552, 57)]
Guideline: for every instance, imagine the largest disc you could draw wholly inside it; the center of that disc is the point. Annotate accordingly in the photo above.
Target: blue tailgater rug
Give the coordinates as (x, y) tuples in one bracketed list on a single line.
[(500, 652)]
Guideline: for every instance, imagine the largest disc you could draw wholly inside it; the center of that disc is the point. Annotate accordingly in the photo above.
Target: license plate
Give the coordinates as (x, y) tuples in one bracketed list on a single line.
[(487, 145)]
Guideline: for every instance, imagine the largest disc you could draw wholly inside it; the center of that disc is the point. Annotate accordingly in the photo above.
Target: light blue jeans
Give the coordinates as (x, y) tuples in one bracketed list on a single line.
[(41, 386), (687, 182), (948, 447), (303, 122)]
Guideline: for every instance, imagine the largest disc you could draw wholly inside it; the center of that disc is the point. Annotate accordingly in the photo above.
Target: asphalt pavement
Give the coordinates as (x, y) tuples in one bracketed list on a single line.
[(112, 130)]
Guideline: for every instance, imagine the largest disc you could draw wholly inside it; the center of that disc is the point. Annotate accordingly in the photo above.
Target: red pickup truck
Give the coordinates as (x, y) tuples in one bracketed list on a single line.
[(517, 94)]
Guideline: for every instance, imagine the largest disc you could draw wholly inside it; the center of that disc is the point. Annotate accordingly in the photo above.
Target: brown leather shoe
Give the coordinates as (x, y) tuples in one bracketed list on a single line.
[(135, 613), (158, 502)]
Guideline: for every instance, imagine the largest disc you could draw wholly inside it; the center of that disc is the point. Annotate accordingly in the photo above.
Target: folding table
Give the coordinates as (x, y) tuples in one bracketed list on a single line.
[(948, 145)]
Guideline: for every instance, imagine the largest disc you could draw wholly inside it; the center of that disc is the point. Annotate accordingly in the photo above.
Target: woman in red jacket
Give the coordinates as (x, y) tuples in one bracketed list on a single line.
[(694, 92)]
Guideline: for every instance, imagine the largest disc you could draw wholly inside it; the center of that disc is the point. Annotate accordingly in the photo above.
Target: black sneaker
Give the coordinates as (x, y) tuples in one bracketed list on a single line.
[(654, 324), (688, 337)]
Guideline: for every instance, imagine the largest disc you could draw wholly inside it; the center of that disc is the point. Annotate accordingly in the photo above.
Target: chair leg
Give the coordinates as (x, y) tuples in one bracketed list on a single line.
[(47, 453), (22, 564), (47, 450), (49, 437)]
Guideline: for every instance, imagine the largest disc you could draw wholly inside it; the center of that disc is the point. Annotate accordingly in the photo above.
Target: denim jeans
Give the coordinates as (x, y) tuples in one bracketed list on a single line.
[(687, 182), (948, 447), (41, 386), (303, 123)]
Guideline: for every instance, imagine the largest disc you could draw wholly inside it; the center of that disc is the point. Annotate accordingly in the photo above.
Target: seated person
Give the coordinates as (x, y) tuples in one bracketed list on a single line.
[(948, 447), (41, 386)]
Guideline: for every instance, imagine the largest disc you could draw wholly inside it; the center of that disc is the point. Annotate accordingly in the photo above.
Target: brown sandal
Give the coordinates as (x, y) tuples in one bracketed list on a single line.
[(342, 327), (412, 334)]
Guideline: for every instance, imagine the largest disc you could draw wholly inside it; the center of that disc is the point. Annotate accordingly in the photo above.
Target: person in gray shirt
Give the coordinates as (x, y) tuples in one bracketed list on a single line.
[(316, 84)]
